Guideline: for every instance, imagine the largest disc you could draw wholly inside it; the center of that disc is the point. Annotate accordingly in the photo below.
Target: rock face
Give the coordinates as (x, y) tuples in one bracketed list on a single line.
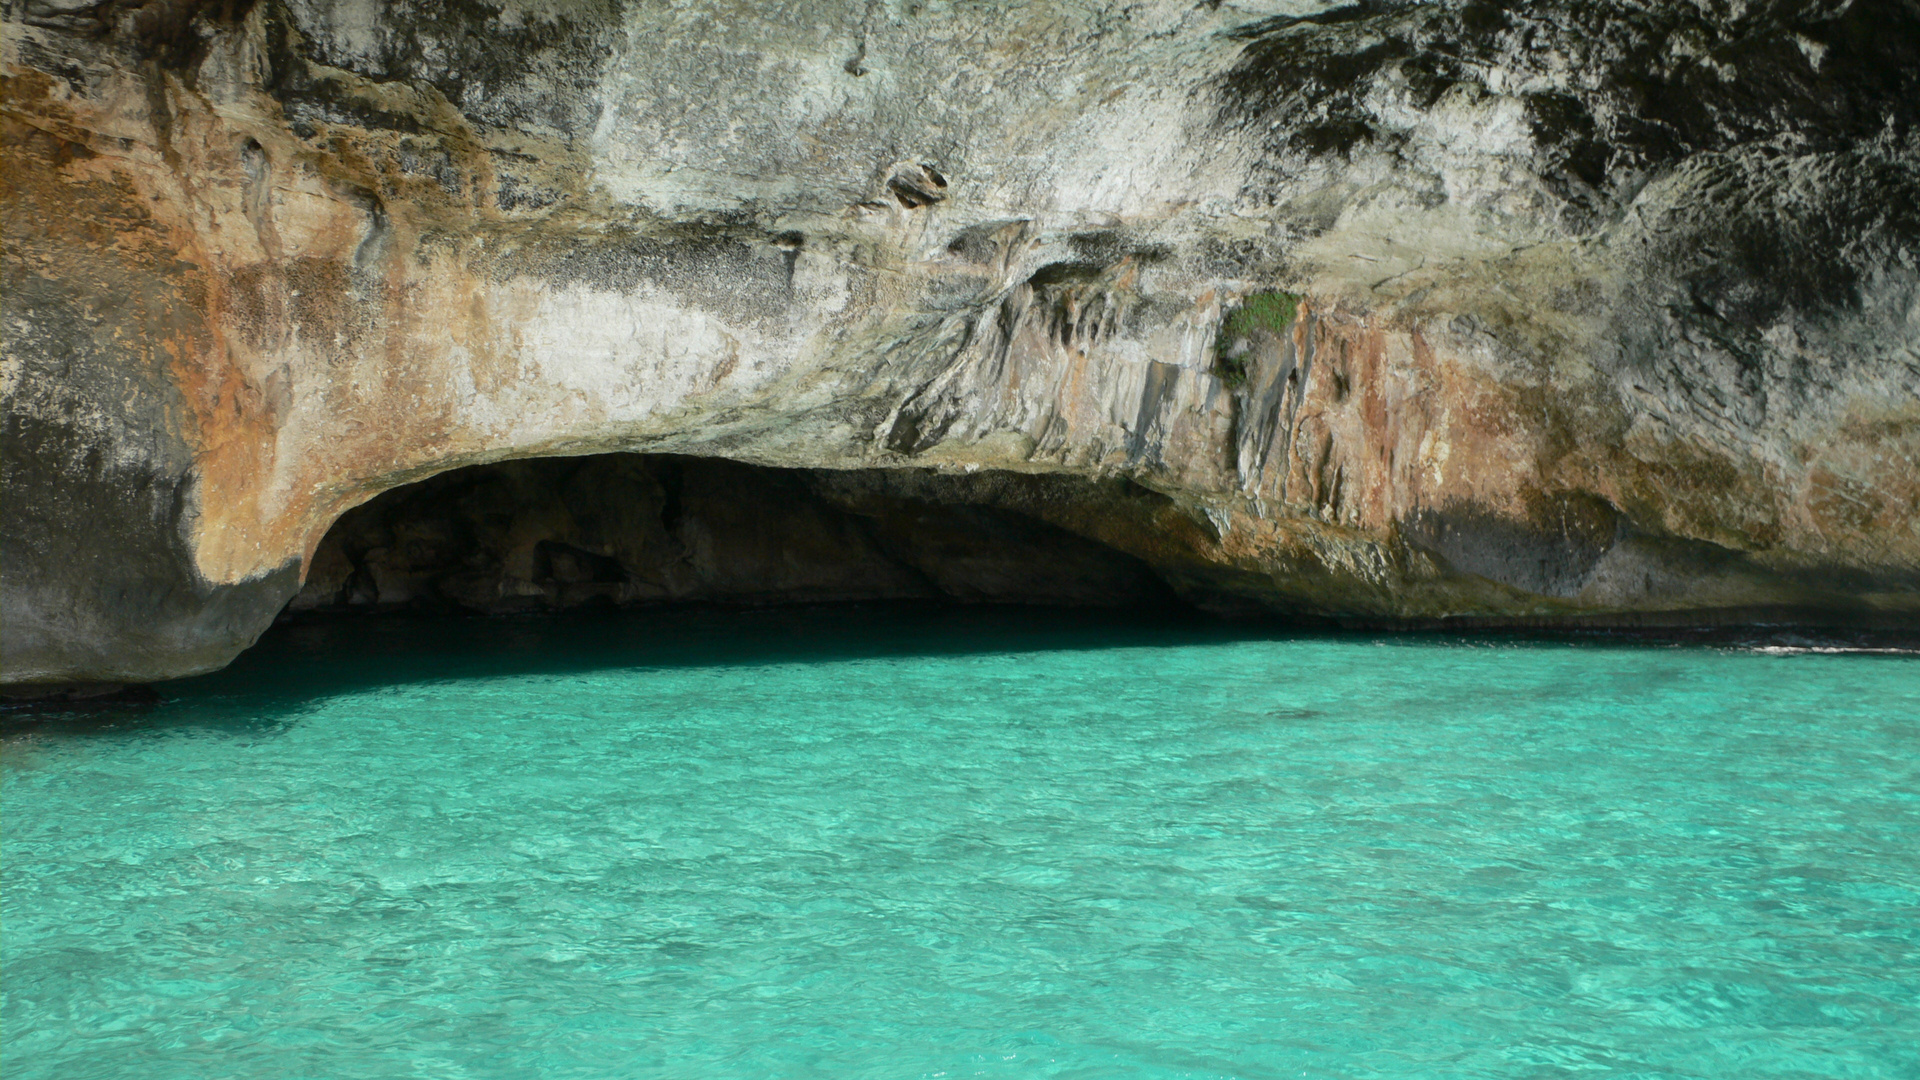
[(1588, 310)]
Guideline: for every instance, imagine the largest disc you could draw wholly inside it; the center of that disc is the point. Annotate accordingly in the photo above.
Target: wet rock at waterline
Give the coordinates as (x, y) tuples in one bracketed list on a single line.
[(1556, 311)]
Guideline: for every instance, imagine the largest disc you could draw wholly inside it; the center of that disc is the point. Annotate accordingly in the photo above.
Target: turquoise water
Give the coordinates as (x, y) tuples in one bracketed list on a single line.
[(872, 842)]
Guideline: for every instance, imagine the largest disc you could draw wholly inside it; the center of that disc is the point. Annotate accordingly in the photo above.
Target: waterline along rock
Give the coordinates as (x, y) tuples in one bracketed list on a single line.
[(1590, 311)]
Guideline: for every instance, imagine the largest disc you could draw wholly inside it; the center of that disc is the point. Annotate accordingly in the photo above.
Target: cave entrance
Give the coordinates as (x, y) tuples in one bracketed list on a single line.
[(622, 530)]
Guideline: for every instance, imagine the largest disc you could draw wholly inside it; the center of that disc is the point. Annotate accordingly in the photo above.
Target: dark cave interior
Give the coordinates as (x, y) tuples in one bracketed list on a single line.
[(616, 530)]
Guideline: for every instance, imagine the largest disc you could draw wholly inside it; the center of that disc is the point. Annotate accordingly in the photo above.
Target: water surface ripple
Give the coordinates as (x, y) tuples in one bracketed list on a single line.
[(868, 842)]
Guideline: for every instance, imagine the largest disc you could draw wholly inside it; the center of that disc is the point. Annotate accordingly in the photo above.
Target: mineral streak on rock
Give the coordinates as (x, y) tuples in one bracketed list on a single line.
[(1606, 310)]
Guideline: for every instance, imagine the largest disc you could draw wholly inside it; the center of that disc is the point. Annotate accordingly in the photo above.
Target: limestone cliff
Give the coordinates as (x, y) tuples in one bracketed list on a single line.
[(1593, 310)]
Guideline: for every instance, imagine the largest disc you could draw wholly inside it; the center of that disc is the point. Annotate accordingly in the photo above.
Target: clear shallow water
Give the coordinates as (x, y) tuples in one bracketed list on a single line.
[(883, 843)]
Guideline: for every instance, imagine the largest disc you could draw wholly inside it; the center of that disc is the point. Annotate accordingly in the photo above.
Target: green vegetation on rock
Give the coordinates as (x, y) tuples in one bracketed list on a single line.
[(1272, 311)]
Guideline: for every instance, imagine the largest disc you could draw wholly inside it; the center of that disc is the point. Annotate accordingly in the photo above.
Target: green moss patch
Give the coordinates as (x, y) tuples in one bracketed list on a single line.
[(1272, 311)]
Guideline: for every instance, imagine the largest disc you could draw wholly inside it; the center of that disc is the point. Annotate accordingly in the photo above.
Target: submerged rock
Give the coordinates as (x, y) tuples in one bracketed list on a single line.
[(1577, 310)]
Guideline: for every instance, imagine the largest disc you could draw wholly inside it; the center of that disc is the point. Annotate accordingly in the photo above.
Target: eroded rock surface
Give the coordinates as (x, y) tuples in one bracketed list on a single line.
[(1582, 309)]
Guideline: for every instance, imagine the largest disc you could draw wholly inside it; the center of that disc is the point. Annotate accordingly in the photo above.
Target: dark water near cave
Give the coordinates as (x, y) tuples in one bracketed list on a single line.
[(874, 842)]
